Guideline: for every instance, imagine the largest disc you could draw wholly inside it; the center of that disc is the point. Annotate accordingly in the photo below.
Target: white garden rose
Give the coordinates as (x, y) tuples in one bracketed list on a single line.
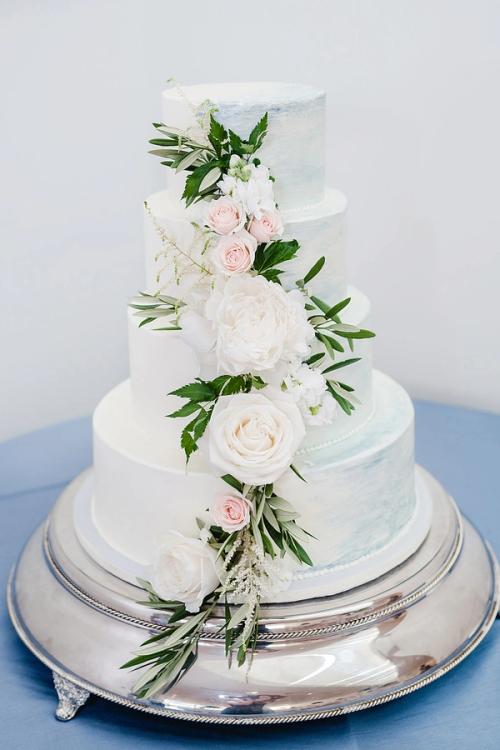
[(249, 185), (254, 436), (257, 324), (184, 570)]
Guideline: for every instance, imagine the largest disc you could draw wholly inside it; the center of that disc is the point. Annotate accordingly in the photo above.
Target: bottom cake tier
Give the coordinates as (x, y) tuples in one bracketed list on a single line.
[(360, 500)]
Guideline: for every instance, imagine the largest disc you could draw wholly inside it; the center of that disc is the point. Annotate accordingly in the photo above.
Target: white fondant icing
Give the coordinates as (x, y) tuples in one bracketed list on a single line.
[(294, 148)]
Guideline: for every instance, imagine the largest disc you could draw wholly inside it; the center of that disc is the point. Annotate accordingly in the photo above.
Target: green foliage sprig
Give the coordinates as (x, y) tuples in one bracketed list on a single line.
[(273, 521), (205, 162), (202, 396), (170, 653), (154, 307), (269, 257)]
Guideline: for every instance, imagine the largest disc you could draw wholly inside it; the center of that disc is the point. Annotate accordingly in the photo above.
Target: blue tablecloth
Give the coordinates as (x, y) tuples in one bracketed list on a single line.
[(462, 710)]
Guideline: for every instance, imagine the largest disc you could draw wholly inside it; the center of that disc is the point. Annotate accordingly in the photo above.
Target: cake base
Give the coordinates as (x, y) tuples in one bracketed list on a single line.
[(315, 658)]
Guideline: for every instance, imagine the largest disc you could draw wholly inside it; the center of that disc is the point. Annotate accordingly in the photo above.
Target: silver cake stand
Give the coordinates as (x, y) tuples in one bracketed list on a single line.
[(315, 658)]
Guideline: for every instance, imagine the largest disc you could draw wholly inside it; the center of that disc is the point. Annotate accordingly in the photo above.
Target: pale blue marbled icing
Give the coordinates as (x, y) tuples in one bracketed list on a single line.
[(294, 148), (360, 492)]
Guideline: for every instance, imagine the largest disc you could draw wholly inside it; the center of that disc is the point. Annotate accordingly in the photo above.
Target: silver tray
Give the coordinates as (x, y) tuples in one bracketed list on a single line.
[(315, 658)]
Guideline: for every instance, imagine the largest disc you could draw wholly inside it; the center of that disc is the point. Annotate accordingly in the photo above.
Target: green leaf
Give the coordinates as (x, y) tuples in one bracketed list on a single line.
[(197, 391), (315, 358), (200, 424), (217, 131), (238, 617), (361, 334), (237, 145), (337, 308), (232, 482), (185, 410), (187, 161), (167, 142), (330, 344), (269, 256), (210, 179), (270, 517), (192, 191), (188, 443), (314, 270), (228, 385), (267, 544), (338, 365), (346, 387), (258, 133), (299, 551), (344, 404), (319, 303), (297, 472), (258, 383)]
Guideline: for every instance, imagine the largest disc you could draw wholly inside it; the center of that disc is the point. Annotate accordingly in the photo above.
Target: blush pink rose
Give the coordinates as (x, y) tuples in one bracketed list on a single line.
[(234, 253), (225, 215), (268, 226), (231, 512)]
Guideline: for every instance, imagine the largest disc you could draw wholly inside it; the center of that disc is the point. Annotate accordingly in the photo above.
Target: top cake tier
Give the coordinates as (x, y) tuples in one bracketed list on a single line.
[(294, 148)]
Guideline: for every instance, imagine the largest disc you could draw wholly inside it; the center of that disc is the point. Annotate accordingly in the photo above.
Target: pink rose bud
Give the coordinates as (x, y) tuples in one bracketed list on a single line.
[(231, 512), (234, 253), (268, 226), (225, 215)]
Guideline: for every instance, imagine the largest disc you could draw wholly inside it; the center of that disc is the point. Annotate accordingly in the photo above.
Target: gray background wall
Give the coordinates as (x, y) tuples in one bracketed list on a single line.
[(414, 118)]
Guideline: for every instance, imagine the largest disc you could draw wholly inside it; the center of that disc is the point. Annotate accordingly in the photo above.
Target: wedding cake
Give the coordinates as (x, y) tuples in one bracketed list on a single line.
[(254, 455)]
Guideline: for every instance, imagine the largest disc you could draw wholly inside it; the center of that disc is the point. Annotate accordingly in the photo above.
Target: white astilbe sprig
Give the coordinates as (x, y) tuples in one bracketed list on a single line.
[(247, 575), (201, 114)]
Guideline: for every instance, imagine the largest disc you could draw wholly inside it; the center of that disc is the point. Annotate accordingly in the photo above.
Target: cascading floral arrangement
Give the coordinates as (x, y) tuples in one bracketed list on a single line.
[(276, 350)]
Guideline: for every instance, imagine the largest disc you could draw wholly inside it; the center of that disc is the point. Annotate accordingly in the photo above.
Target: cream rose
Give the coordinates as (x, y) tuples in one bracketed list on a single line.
[(225, 215), (267, 227), (234, 253), (184, 570), (257, 324), (254, 437), (231, 512)]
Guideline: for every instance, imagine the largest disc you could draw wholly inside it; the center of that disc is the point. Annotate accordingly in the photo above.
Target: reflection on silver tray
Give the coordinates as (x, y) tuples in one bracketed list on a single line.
[(315, 658)]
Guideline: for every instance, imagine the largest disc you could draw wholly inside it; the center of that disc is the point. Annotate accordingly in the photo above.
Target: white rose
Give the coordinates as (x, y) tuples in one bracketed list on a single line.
[(184, 570), (249, 185), (254, 437), (257, 324)]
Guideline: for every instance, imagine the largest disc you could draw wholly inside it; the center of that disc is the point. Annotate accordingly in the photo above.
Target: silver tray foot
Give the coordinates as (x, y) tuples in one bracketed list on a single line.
[(71, 697)]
